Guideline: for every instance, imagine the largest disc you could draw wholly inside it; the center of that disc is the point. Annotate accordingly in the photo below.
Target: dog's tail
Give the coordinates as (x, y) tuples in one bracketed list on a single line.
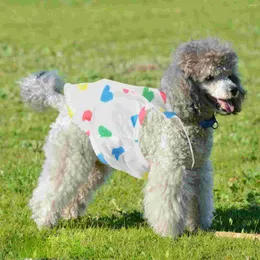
[(43, 89)]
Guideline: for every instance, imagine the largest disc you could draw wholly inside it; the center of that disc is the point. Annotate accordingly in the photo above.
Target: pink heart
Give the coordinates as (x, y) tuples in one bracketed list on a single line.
[(125, 90), (142, 115), (163, 95), (87, 115), (88, 133)]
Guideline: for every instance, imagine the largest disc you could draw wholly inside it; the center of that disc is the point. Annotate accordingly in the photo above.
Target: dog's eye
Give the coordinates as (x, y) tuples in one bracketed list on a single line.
[(209, 78)]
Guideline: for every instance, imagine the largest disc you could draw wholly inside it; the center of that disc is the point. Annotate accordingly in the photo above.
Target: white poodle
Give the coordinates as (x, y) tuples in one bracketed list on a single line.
[(167, 132)]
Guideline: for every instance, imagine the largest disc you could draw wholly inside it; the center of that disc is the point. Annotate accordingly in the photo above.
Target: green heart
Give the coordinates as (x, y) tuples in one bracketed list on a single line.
[(148, 94), (104, 132)]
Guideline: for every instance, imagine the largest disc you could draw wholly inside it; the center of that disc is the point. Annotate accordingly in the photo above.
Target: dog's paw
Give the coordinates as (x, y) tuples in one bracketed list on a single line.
[(165, 229), (43, 214)]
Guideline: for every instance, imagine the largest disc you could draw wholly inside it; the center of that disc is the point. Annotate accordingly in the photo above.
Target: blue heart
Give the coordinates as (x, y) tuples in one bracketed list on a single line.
[(101, 158), (134, 119), (106, 95), (169, 114), (118, 151)]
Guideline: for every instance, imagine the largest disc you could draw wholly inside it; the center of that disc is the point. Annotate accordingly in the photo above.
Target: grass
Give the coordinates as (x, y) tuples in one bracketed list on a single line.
[(129, 41)]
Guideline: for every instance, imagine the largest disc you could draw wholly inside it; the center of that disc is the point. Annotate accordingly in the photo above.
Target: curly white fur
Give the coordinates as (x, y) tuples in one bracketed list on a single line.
[(176, 195)]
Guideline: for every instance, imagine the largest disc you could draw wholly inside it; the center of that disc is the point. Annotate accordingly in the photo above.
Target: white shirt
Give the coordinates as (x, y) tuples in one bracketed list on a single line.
[(111, 114)]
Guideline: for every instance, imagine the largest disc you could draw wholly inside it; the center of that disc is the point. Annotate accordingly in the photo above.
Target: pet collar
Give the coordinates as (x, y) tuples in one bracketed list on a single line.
[(212, 122)]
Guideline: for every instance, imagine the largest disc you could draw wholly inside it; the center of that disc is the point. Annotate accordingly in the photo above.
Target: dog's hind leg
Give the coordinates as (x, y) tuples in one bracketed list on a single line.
[(77, 207), (69, 161)]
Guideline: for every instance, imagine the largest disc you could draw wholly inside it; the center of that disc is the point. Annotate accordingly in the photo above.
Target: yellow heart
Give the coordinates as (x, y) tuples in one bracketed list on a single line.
[(83, 86), (161, 109), (145, 176), (70, 112)]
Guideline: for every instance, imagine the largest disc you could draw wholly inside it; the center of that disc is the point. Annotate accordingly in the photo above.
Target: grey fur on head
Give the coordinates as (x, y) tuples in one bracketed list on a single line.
[(42, 89), (193, 63), (199, 58)]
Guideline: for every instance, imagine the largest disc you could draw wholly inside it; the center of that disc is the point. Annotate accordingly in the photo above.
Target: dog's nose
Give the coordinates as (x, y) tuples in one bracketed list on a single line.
[(234, 91)]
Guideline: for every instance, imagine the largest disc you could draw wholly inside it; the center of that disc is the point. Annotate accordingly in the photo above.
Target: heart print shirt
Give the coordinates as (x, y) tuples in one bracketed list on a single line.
[(111, 115)]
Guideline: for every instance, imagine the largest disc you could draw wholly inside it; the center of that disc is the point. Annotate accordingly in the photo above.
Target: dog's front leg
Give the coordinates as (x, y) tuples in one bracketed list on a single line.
[(69, 160), (200, 210), (167, 197), (206, 206)]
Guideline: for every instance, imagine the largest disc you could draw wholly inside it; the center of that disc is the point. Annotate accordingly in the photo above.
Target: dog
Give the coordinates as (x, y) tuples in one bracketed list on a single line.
[(201, 81)]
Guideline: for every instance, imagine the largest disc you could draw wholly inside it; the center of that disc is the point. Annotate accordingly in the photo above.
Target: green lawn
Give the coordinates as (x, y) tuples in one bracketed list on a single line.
[(129, 42)]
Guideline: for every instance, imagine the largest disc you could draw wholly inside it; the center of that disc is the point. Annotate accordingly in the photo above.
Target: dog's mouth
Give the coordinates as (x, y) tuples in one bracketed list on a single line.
[(223, 106)]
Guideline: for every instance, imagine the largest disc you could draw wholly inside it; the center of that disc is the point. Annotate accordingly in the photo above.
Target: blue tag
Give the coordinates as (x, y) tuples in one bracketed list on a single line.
[(209, 123)]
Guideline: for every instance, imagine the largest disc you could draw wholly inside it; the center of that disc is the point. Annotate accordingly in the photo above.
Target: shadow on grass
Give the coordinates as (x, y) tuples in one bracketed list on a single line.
[(232, 219), (117, 220), (237, 220)]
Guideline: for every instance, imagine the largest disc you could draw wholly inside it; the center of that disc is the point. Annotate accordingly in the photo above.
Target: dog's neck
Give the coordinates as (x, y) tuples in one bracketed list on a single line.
[(189, 112)]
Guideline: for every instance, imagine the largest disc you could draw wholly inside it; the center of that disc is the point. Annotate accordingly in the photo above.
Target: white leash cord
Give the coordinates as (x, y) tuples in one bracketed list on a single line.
[(191, 150)]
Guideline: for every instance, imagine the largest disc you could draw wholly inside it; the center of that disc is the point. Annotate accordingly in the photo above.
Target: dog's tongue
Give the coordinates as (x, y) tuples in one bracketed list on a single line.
[(226, 105)]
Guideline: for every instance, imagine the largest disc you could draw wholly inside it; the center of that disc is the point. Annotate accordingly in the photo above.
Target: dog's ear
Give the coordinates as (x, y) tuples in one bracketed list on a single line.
[(181, 90), (188, 64), (234, 77), (174, 81), (185, 84)]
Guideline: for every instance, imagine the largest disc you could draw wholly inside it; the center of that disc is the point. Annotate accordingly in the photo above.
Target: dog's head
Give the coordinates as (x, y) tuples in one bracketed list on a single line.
[(210, 68)]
